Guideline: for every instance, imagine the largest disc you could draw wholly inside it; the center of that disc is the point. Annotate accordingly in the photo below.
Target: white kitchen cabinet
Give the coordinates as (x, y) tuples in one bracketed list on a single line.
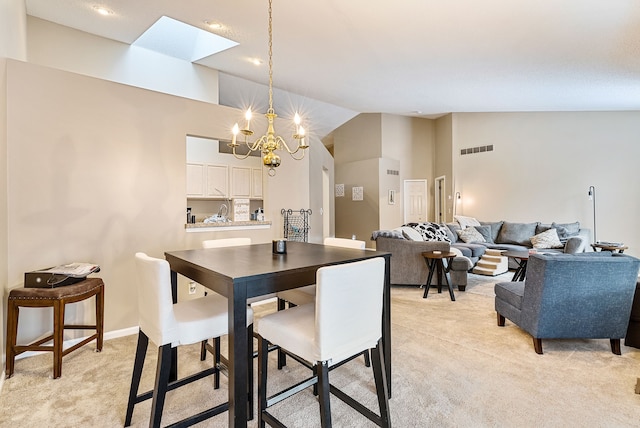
[(207, 180), (217, 181), (256, 183), (240, 182)]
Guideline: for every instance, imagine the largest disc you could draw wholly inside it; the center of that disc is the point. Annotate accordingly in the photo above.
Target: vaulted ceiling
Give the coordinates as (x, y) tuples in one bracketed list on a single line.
[(406, 57)]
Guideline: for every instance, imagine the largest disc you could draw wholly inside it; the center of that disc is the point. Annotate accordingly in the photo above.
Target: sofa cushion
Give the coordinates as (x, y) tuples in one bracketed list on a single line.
[(477, 250), (495, 228), (454, 227), (510, 292), (516, 233), (470, 234), (430, 231), (453, 237), (566, 230), (485, 231), (546, 239)]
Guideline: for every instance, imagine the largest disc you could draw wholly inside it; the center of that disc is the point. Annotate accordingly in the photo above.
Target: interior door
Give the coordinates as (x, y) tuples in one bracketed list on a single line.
[(415, 201)]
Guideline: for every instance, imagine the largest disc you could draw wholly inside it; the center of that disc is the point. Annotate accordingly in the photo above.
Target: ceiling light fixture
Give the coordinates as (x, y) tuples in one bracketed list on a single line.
[(270, 142), (103, 10), (213, 25)]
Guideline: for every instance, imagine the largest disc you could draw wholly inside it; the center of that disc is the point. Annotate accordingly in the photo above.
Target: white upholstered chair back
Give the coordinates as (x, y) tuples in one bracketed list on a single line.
[(226, 242), (343, 242), (155, 304), (348, 316)]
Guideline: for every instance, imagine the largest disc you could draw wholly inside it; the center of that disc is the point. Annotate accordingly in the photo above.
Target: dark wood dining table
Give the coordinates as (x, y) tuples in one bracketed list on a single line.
[(248, 271)]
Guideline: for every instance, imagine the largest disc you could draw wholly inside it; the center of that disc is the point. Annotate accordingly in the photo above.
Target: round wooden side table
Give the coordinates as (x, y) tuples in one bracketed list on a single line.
[(609, 246), (435, 261)]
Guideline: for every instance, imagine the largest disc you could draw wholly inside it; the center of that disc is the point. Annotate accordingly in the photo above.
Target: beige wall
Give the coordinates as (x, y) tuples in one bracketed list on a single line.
[(3, 203), (444, 160), (365, 149), (96, 172), (543, 164)]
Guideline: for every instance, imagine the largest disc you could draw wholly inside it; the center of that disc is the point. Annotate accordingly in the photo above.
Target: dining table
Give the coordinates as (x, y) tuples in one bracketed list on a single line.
[(243, 272)]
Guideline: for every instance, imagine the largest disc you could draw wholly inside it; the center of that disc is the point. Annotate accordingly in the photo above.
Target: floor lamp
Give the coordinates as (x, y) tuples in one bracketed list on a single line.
[(592, 198), (455, 203)]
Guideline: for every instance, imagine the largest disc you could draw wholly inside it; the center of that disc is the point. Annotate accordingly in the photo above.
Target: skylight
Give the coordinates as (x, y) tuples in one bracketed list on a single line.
[(181, 40)]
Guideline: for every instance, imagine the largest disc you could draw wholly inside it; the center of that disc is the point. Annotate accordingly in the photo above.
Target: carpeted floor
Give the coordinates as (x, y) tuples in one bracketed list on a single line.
[(452, 367)]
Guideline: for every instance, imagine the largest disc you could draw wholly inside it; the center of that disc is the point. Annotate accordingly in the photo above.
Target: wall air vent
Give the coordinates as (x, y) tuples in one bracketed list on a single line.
[(479, 149), (393, 172)]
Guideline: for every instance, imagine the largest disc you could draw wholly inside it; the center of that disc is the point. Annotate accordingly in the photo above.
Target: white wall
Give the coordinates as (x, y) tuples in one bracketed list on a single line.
[(543, 164)]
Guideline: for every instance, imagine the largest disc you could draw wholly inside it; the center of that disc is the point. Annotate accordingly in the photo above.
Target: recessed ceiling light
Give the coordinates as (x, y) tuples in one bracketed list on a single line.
[(213, 25), (103, 10), (255, 61)]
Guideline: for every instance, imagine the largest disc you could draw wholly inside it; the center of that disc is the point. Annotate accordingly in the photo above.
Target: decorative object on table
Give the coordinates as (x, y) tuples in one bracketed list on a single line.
[(59, 276), (279, 246), (56, 298), (579, 296), (492, 263), (592, 198), (269, 142), (296, 224)]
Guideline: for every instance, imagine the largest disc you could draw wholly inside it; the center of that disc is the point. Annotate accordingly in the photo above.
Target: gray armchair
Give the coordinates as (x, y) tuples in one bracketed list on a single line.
[(586, 296)]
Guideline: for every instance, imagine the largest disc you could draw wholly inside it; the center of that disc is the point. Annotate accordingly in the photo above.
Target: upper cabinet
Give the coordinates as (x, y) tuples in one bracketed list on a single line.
[(207, 180), (215, 175)]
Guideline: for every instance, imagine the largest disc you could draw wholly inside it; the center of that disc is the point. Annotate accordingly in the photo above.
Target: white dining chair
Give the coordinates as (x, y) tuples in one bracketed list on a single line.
[(304, 295), (344, 320), (170, 325)]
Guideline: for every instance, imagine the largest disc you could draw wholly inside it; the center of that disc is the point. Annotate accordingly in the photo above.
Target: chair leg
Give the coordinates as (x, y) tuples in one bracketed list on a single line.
[(263, 352), (58, 336), (100, 318), (141, 351), (380, 376), (322, 372), (12, 333), (216, 362), (250, 372), (500, 320), (537, 345), (615, 346), (367, 359), (282, 357), (162, 381), (203, 350)]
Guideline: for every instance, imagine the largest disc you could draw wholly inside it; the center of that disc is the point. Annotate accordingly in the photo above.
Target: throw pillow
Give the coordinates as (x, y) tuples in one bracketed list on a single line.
[(453, 228), (546, 239), (516, 233), (430, 231), (470, 234), (453, 237), (495, 228), (485, 231), (411, 234), (465, 221), (386, 234), (566, 230)]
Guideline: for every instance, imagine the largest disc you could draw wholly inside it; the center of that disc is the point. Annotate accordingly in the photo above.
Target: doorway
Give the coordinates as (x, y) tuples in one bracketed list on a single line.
[(415, 201)]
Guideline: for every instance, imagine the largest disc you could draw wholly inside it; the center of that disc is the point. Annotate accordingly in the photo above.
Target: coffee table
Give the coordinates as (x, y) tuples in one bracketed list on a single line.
[(435, 261)]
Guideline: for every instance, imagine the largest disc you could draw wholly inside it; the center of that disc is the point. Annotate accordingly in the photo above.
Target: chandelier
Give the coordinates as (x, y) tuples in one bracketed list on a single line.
[(269, 142)]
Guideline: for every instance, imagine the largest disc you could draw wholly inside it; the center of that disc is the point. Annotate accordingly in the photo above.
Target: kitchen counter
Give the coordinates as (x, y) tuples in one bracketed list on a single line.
[(230, 225)]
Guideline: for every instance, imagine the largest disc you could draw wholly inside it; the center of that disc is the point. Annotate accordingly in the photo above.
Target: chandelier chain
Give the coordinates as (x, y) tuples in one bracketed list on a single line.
[(270, 60)]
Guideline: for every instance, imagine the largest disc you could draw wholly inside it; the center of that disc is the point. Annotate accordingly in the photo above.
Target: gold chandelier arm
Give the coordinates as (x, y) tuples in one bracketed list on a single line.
[(281, 141)]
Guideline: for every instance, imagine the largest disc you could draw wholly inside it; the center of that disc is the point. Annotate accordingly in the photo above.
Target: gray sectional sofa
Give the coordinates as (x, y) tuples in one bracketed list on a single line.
[(409, 268), (517, 236)]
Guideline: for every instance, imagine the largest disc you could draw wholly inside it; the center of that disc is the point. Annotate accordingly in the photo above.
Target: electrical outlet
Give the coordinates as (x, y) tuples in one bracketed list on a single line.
[(192, 288)]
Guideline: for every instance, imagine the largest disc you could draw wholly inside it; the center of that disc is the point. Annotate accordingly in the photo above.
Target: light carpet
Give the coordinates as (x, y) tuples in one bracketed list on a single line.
[(452, 367)]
